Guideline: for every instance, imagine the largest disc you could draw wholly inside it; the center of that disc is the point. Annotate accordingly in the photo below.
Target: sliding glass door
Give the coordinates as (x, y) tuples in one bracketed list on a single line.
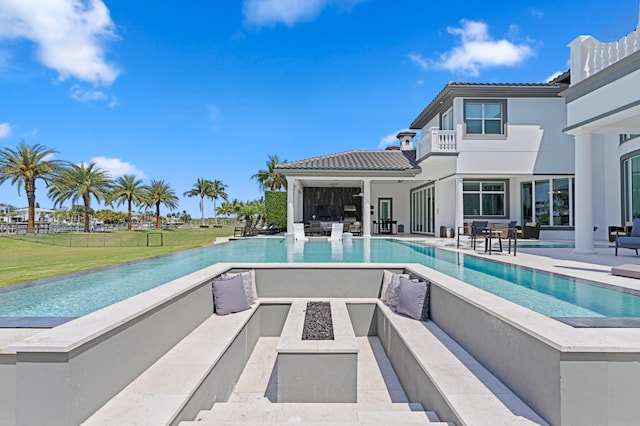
[(423, 210)]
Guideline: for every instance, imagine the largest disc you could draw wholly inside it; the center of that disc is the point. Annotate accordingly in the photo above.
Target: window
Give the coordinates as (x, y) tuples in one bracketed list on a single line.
[(484, 117), (482, 198), (547, 201), (447, 120), (627, 136), (631, 184)]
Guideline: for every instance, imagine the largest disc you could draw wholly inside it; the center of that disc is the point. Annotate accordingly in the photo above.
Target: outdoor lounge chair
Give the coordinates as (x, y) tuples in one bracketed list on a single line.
[(336, 231), (272, 228), (298, 232), (632, 241)]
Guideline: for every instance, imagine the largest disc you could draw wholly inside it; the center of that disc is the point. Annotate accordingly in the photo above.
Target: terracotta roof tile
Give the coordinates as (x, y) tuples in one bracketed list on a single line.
[(387, 160)]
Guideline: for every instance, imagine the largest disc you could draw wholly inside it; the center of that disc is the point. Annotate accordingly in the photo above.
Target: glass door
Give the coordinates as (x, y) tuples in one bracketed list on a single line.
[(423, 210), (385, 215)]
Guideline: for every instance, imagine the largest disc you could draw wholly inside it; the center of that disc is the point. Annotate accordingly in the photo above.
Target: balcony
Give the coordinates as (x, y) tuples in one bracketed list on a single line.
[(438, 141), (590, 56)]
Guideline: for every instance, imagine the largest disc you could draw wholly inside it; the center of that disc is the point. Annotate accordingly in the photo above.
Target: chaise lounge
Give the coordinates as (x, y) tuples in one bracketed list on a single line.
[(632, 241)]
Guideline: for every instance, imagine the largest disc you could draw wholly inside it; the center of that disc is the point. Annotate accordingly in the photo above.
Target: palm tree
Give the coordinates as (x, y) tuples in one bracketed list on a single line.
[(270, 179), (202, 188), (81, 182), (159, 192), (217, 191), (226, 209), (127, 188), (24, 166)]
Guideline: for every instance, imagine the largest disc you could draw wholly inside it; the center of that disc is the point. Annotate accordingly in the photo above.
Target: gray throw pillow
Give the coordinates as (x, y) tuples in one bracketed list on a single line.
[(412, 297), (229, 295), (249, 284)]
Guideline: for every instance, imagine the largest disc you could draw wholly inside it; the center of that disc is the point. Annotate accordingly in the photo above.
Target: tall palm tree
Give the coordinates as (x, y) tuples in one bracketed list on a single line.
[(130, 190), (202, 188), (159, 192), (270, 179), (26, 164), (217, 191), (81, 182)]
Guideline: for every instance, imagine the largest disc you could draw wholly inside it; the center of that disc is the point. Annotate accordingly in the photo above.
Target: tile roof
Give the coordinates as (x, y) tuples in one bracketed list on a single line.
[(370, 160)]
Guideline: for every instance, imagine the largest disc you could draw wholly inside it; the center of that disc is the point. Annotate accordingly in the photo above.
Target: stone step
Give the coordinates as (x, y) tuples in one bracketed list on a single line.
[(265, 412)]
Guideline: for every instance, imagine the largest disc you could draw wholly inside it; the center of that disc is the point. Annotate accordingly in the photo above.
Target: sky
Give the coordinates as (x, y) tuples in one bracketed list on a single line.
[(181, 90)]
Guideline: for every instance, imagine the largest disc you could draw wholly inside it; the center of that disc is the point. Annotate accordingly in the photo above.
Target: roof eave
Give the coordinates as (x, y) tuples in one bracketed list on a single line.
[(456, 90)]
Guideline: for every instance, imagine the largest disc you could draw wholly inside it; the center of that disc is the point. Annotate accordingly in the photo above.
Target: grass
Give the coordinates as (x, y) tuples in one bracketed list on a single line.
[(44, 256)]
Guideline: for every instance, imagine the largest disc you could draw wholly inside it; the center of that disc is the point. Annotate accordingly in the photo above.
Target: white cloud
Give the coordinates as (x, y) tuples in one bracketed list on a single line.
[(5, 130), (419, 60), (289, 12), (214, 112), (390, 139), (116, 167), (82, 95), (70, 35), (477, 50)]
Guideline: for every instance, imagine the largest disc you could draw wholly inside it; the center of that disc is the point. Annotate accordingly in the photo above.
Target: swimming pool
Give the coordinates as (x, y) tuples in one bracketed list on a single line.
[(546, 293)]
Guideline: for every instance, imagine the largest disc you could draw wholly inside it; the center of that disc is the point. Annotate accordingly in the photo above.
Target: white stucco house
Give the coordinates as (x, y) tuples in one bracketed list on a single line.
[(563, 154)]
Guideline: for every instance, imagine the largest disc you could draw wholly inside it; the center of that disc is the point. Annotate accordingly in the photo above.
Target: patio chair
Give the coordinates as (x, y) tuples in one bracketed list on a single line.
[(243, 231), (632, 241), (356, 228), (531, 230), (298, 232), (478, 229), (315, 227), (336, 231)]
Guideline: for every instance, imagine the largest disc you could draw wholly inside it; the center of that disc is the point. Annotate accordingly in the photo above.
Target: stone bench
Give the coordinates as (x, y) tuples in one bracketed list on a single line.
[(166, 392), (628, 270), (435, 371)]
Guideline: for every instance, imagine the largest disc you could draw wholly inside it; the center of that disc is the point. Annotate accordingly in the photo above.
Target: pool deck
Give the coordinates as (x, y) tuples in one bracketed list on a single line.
[(594, 267)]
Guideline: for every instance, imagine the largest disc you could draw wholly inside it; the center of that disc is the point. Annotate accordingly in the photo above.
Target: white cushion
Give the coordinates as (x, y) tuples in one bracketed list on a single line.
[(387, 277)]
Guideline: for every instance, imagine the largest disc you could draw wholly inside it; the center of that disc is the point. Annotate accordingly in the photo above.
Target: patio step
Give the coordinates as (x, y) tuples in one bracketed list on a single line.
[(265, 412)]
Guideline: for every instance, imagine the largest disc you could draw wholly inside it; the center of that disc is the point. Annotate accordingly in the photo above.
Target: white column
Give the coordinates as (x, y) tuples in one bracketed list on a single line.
[(291, 190), (583, 206), (459, 205), (366, 208)]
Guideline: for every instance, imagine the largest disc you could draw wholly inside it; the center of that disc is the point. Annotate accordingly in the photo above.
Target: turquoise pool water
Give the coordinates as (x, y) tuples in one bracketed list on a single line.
[(548, 294)]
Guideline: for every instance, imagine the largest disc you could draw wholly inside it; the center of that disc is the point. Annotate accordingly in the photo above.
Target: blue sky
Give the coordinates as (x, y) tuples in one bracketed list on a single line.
[(190, 89)]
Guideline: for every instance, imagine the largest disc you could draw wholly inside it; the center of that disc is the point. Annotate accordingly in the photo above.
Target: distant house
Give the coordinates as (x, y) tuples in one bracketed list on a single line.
[(41, 215)]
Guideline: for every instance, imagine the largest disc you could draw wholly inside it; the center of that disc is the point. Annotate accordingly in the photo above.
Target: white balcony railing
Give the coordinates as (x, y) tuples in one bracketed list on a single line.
[(438, 141), (590, 56)]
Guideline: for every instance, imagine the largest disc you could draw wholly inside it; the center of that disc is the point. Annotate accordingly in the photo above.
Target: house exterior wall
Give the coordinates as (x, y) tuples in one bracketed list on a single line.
[(603, 100), (399, 192), (533, 142)]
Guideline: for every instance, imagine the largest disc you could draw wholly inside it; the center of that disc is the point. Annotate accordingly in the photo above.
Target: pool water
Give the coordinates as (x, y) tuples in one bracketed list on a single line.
[(548, 294)]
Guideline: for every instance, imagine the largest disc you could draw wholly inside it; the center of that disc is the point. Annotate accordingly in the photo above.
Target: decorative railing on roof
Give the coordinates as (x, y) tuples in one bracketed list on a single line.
[(590, 56)]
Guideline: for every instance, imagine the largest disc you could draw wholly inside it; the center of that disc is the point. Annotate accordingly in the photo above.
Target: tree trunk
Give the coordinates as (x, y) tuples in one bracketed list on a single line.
[(30, 187), (202, 208), (158, 221), (87, 215), (215, 212), (130, 215)]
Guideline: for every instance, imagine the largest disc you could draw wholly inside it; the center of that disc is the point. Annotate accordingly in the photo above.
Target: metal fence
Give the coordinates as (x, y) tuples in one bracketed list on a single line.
[(138, 238)]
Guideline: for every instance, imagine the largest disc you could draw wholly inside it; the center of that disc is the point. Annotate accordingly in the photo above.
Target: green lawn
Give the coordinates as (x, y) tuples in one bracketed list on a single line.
[(44, 256)]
